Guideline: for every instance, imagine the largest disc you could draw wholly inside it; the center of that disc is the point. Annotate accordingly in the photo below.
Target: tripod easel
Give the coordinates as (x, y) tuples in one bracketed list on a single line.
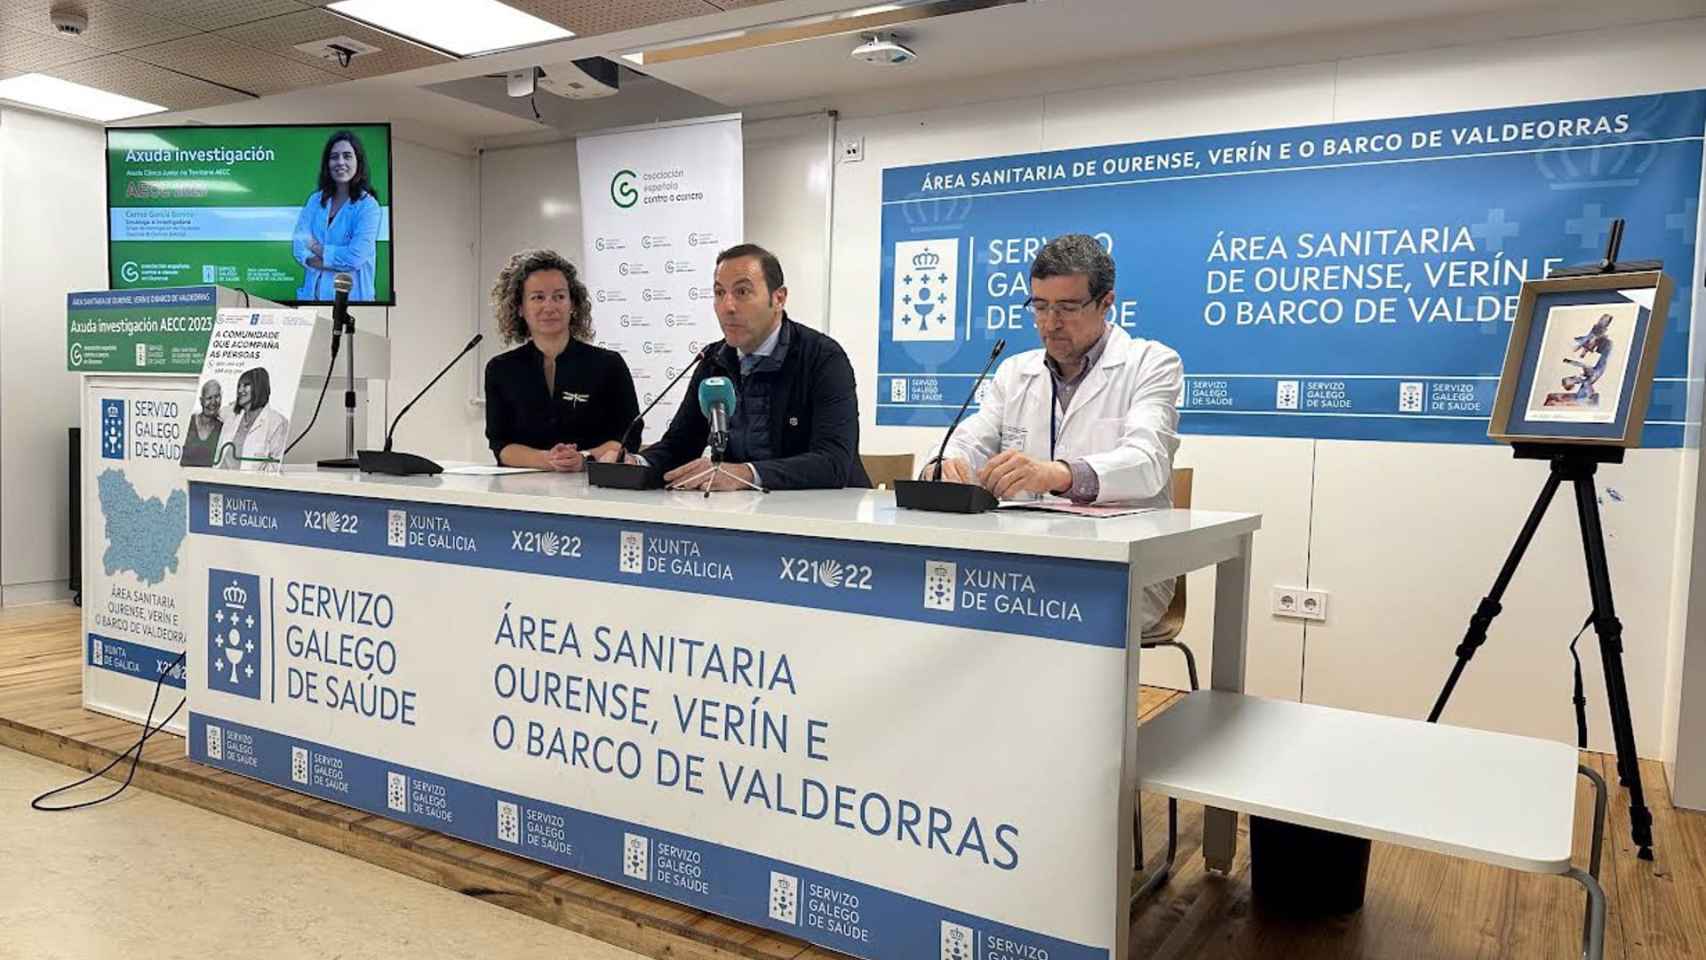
[(1577, 463)]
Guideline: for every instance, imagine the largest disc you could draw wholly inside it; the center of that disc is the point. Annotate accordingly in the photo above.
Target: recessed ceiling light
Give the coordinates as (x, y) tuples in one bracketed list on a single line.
[(63, 96), (466, 28)]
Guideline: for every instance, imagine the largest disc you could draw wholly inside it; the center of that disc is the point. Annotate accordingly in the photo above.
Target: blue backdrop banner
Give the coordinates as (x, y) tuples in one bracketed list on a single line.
[(1351, 280)]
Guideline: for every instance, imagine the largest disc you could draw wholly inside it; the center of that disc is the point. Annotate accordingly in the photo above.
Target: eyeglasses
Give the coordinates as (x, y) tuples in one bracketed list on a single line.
[(1065, 309)]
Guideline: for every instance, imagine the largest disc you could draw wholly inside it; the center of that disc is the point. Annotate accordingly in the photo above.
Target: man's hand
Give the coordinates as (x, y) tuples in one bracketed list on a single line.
[(315, 247), (954, 470), (1011, 472), (610, 451), (687, 476), (565, 458), (315, 262)]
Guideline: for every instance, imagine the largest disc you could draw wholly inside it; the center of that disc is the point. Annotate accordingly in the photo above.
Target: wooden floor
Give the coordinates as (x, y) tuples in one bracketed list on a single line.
[(1418, 905)]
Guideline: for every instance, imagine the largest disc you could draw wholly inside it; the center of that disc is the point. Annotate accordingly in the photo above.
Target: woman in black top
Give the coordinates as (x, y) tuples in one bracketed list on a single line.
[(557, 399)]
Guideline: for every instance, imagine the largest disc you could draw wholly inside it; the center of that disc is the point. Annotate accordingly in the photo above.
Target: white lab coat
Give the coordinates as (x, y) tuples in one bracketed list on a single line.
[(263, 446), (1123, 421)]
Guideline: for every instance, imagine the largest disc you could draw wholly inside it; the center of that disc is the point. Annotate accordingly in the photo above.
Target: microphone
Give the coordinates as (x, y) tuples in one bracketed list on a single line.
[(933, 494), (341, 320), (717, 402), (1000, 345), (408, 464), (341, 286)]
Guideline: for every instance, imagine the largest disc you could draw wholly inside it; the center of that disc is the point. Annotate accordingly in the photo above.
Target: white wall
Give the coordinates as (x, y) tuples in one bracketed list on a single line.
[(439, 294), (529, 199), (1685, 701), (787, 184), (54, 236)]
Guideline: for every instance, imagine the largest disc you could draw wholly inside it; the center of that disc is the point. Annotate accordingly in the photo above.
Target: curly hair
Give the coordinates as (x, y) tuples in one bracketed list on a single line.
[(507, 292)]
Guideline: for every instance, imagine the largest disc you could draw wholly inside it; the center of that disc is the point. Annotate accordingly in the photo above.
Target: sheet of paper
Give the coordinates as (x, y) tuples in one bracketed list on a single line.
[(462, 469), (1060, 505)]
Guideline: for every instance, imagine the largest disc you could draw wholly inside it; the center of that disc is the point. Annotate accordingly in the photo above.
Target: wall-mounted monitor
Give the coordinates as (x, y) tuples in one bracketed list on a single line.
[(275, 211)]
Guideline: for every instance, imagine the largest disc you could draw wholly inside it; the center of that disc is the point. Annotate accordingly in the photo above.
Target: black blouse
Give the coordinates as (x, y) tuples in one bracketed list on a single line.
[(594, 398)]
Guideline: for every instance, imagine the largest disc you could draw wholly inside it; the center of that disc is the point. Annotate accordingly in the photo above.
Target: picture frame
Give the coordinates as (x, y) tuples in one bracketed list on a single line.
[(1580, 359)]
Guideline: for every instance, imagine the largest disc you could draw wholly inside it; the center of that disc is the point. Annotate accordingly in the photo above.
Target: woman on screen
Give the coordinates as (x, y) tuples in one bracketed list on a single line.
[(256, 434), (338, 229), (557, 400)]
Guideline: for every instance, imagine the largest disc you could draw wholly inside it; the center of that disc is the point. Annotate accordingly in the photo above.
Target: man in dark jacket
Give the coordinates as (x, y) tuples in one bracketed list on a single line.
[(795, 424)]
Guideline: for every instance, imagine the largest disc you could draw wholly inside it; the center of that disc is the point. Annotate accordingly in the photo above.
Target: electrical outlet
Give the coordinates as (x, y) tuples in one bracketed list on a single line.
[(1299, 603), (852, 149)]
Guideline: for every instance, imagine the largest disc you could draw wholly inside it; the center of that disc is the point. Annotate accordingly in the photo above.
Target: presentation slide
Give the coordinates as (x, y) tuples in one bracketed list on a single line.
[(276, 211)]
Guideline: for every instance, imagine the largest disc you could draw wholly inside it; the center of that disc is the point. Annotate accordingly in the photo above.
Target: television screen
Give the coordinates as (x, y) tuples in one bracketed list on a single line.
[(276, 211)]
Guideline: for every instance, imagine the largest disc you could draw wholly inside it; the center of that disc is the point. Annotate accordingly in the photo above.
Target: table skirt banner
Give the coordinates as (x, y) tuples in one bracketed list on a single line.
[(885, 750)]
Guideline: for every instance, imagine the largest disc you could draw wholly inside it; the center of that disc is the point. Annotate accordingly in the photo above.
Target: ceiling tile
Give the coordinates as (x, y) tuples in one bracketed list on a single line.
[(113, 26), (591, 17), (737, 4), (214, 14), (280, 35), (27, 51), (144, 81), (214, 58)]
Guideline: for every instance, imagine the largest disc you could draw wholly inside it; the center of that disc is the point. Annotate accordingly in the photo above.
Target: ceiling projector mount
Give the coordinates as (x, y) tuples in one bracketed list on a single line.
[(589, 78), (884, 49)]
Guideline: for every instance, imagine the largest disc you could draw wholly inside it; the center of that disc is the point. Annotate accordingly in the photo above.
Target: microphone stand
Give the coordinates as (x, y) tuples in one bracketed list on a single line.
[(949, 497), (342, 322), (704, 479), (409, 464)]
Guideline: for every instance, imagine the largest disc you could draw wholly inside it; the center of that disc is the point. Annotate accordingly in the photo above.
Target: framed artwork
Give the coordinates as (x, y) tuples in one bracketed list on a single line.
[(1579, 364)]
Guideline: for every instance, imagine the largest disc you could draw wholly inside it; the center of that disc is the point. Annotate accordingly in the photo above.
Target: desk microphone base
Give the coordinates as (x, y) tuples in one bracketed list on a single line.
[(622, 476), (397, 464), (943, 496)]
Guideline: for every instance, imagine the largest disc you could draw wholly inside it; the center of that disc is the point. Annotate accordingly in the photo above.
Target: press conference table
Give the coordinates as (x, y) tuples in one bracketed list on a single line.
[(880, 730)]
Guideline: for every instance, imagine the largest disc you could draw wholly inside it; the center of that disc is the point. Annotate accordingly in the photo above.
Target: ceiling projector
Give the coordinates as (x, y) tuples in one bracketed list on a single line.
[(884, 50)]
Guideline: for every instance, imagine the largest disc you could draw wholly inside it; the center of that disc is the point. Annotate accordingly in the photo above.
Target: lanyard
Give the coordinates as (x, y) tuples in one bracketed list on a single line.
[(1053, 411)]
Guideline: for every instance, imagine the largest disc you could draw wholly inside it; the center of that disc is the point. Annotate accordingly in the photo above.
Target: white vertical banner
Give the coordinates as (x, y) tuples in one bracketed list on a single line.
[(135, 520), (657, 203)]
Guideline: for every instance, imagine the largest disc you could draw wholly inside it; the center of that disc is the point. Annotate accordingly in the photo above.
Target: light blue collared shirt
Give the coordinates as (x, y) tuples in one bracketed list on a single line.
[(765, 349)]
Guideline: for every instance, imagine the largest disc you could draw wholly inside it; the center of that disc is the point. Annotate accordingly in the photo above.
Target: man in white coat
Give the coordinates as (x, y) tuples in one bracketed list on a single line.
[(1092, 416)]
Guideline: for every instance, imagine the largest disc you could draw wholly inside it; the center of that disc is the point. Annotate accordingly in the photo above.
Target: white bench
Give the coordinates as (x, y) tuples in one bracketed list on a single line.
[(1491, 797)]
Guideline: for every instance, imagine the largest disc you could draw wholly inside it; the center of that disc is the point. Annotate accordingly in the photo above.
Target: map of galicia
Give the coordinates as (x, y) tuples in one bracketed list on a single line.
[(143, 536)]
